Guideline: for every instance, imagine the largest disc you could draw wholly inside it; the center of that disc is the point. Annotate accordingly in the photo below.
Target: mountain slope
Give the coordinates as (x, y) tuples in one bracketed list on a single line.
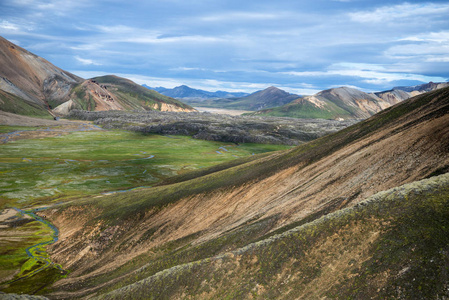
[(110, 242), (32, 78), (393, 245), (116, 93), (340, 102)]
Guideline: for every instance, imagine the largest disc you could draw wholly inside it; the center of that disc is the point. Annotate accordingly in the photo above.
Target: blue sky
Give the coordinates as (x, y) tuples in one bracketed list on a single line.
[(300, 46)]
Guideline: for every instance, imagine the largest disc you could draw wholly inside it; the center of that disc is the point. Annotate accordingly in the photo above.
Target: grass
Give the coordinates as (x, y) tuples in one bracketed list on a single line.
[(94, 162)]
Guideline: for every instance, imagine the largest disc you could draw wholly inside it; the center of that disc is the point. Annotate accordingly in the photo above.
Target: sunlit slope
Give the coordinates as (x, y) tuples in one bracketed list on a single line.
[(117, 240)]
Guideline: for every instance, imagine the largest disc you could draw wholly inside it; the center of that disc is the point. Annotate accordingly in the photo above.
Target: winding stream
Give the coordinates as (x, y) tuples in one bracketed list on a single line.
[(37, 251)]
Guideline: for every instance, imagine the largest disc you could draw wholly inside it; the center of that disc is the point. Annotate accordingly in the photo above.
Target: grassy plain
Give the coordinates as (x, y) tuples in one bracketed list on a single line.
[(92, 162)]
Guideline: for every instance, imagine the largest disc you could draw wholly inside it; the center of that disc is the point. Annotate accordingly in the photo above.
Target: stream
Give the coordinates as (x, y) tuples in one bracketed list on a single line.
[(37, 251)]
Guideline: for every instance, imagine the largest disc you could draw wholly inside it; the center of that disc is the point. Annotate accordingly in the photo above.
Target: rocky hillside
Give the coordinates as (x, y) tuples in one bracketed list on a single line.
[(292, 224), (30, 85)]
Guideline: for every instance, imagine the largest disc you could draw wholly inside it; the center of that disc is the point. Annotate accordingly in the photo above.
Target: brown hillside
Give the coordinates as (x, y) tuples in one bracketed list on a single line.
[(105, 240)]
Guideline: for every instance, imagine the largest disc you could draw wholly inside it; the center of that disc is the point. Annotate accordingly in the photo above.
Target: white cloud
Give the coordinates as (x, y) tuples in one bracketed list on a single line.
[(9, 26), (85, 61), (397, 12), (373, 74), (245, 16), (177, 39)]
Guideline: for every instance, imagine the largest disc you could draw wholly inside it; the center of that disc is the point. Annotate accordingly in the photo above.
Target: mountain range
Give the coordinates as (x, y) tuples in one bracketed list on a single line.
[(31, 85), (184, 92), (347, 103), (269, 97)]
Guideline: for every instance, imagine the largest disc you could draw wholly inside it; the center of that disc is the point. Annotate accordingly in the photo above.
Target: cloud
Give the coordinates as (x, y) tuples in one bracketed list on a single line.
[(8, 26), (372, 74), (399, 12), (85, 61), (241, 16)]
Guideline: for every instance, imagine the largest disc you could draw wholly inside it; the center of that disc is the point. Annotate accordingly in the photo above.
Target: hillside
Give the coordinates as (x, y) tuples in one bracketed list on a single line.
[(253, 227), (33, 80), (30, 85), (116, 93)]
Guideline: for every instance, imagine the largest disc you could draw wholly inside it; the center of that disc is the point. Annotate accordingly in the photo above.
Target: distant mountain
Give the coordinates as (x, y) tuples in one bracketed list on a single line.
[(35, 83), (423, 88), (30, 85), (184, 92), (267, 98), (347, 103), (157, 89)]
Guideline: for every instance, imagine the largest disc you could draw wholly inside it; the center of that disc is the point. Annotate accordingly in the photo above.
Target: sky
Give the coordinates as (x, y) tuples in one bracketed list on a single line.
[(239, 45)]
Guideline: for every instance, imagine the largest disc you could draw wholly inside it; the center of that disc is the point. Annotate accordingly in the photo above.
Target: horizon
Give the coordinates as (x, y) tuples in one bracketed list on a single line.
[(299, 47)]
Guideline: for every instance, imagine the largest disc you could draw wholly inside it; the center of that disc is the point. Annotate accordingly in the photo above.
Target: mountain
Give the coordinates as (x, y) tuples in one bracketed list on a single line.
[(357, 214), (35, 83), (157, 89), (269, 97), (115, 93), (184, 92), (30, 85), (423, 88), (334, 103), (346, 103)]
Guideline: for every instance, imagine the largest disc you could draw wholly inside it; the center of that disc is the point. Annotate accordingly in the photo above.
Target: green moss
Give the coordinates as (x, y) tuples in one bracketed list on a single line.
[(13, 104)]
